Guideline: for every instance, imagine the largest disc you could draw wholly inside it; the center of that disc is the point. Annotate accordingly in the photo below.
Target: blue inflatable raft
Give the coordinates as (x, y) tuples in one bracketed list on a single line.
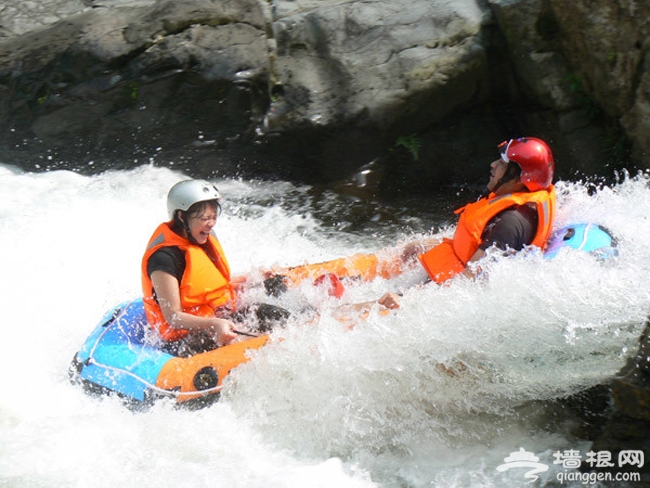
[(591, 238), (117, 358)]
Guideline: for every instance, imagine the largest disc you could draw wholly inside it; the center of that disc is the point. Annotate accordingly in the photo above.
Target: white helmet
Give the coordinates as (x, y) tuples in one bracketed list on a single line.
[(186, 193)]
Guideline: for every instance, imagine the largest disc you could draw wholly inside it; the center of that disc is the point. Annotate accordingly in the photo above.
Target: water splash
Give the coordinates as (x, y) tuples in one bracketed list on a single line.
[(436, 393)]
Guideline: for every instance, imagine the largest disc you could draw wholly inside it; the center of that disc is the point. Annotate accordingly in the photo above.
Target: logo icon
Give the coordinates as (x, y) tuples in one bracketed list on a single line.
[(524, 459)]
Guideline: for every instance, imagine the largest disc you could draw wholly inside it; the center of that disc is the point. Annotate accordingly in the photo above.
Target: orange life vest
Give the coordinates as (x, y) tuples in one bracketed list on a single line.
[(450, 257), (204, 287)]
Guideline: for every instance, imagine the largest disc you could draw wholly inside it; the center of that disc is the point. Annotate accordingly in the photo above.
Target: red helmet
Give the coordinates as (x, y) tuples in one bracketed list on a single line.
[(535, 159)]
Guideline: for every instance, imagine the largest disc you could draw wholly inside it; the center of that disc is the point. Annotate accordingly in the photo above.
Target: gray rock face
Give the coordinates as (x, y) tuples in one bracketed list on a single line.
[(315, 89), (375, 62), (21, 17), (607, 43), (123, 80)]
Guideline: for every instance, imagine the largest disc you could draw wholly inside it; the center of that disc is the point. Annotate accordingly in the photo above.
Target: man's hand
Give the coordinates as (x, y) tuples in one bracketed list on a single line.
[(389, 300)]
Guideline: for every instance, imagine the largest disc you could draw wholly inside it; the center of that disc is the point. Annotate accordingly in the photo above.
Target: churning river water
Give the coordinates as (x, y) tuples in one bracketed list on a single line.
[(437, 393)]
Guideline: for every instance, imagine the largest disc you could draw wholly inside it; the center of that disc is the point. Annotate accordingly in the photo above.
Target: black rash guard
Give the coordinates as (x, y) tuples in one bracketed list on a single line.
[(514, 228), (169, 259)]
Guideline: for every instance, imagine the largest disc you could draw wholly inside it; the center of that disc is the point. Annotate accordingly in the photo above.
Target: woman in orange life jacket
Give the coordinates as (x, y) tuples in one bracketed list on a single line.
[(518, 211), (188, 291)]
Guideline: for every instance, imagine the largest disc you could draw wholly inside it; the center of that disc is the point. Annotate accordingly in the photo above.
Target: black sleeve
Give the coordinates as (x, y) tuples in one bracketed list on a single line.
[(513, 228), (171, 260)]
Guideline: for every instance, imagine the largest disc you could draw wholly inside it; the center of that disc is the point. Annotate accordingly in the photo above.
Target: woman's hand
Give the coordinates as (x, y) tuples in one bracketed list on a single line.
[(223, 331)]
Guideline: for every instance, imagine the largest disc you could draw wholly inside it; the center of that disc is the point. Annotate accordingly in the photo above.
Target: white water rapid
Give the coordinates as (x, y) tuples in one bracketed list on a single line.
[(436, 393)]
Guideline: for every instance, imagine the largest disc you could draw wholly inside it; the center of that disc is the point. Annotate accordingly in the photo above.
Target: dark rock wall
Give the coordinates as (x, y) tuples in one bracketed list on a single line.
[(315, 90)]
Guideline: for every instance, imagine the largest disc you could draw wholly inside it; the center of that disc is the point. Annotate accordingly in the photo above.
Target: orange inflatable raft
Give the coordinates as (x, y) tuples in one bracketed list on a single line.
[(116, 358)]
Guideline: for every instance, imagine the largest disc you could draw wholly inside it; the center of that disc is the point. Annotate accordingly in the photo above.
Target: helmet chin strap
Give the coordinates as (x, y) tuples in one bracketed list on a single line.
[(509, 175), (180, 217), (501, 181)]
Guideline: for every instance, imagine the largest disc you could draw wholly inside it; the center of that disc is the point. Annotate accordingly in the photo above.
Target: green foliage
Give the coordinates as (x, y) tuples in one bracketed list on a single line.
[(411, 143), (575, 85), (581, 97), (43, 95), (617, 144), (133, 90)]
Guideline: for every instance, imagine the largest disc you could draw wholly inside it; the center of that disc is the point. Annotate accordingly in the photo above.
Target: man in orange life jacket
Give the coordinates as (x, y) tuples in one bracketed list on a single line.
[(518, 212), (185, 275)]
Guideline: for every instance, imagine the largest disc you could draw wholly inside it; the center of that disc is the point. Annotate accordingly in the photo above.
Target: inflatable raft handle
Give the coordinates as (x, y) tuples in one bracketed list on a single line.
[(241, 332)]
